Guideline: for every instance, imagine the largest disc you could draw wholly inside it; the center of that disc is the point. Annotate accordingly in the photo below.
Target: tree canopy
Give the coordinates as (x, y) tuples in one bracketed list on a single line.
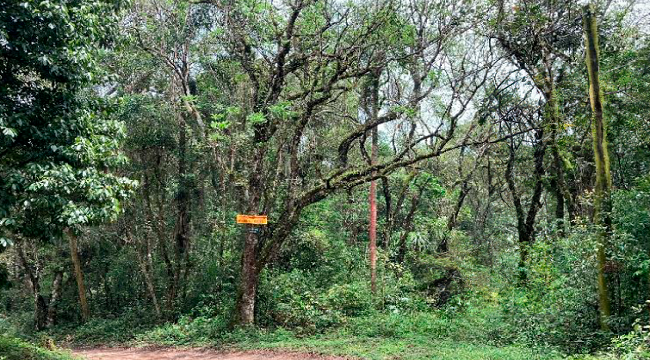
[(479, 164)]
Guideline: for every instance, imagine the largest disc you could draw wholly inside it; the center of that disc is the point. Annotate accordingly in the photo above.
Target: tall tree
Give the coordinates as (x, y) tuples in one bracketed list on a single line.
[(298, 73), (603, 189), (540, 38), (58, 144), (371, 109)]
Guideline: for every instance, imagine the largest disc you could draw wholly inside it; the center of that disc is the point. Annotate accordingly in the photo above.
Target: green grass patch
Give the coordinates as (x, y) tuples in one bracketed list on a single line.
[(415, 348), (415, 336), (476, 333)]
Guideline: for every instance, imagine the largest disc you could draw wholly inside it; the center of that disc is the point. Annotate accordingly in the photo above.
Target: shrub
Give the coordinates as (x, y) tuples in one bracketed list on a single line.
[(634, 345), (351, 299), (15, 349), (102, 331)]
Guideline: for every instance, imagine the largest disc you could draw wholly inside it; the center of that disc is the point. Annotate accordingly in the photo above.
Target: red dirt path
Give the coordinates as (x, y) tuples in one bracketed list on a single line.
[(197, 354)]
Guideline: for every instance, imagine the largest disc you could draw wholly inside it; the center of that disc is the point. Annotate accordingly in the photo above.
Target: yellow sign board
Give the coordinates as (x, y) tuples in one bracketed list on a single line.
[(252, 219)]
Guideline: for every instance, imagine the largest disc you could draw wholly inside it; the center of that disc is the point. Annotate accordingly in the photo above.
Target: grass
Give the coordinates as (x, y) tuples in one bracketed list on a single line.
[(15, 349), (473, 335), (415, 348), (378, 336)]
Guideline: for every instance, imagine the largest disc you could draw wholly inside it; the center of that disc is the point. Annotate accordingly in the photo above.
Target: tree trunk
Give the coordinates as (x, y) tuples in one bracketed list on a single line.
[(81, 287), (443, 247), (388, 222), (146, 266), (249, 279), (408, 226), (146, 261), (181, 233), (373, 217), (562, 195), (33, 280), (602, 200), (373, 112), (526, 221), (54, 298), (40, 311)]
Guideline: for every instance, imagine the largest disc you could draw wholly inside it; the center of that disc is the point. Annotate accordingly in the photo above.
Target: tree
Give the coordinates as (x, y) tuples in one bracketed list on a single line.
[(540, 38), (300, 64), (603, 189), (58, 143)]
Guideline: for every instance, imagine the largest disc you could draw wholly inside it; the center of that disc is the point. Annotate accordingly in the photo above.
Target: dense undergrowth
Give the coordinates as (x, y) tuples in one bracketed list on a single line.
[(317, 298), (16, 349), (485, 314)]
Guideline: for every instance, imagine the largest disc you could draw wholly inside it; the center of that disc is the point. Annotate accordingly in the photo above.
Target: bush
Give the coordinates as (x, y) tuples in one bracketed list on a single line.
[(558, 306), (351, 299), (634, 345), (103, 331), (14, 349), (187, 331)]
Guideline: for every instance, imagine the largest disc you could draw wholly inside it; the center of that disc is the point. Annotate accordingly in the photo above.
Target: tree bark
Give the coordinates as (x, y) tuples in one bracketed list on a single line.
[(54, 298), (249, 279), (602, 200), (443, 247), (373, 217), (373, 111), (181, 233), (33, 280), (562, 194), (81, 287), (387, 213), (146, 261)]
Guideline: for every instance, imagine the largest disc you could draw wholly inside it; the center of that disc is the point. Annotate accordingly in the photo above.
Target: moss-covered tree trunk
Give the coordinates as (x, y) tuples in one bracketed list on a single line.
[(602, 200)]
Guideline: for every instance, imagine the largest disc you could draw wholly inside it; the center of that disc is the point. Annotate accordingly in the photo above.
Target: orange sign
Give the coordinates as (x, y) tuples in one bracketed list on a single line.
[(252, 219)]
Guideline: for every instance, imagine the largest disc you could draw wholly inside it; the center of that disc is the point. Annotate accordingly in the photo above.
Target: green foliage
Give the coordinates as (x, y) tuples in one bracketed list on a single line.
[(58, 141), (420, 335), (187, 331), (634, 345), (15, 349), (215, 122), (560, 300)]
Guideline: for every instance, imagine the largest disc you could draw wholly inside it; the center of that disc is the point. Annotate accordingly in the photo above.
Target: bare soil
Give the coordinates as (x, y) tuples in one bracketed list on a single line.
[(193, 354)]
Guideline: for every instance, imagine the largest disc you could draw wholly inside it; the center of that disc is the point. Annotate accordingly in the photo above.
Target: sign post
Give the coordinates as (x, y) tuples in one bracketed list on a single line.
[(252, 219)]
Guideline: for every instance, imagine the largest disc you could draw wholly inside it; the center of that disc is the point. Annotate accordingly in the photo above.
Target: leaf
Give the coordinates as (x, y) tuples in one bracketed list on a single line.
[(256, 118), (11, 132)]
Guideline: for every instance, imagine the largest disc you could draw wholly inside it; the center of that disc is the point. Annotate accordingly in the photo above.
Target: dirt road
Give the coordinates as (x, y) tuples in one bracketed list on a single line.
[(179, 354)]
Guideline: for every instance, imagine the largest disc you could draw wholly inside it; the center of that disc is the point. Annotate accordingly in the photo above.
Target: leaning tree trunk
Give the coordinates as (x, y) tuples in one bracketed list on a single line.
[(602, 200), (79, 276)]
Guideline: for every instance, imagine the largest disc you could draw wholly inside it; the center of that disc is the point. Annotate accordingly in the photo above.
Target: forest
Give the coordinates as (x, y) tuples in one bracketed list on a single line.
[(324, 179)]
